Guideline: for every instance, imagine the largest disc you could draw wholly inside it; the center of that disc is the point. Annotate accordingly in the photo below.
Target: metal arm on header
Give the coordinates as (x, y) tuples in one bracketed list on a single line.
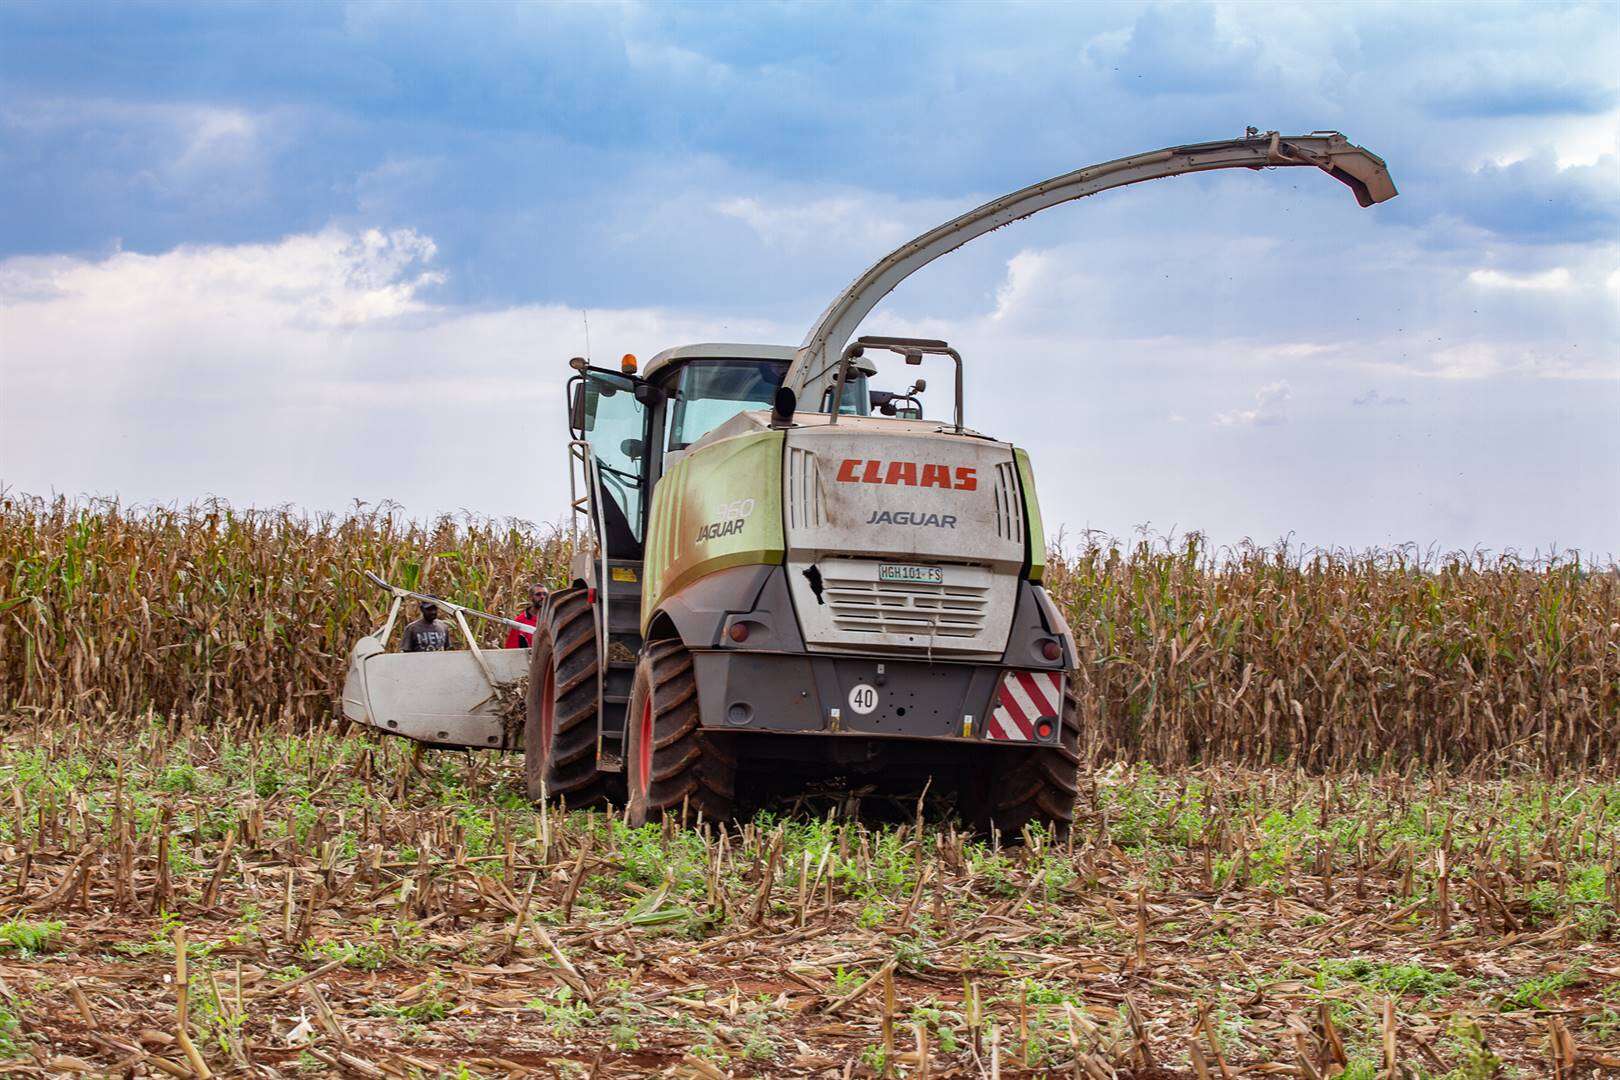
[(1363, 171)]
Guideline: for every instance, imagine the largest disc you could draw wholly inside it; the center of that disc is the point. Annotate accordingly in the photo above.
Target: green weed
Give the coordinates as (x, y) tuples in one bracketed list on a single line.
[(29, 938)]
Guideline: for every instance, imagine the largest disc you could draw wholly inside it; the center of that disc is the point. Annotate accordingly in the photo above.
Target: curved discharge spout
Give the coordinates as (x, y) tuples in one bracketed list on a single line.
[(1363, 171)]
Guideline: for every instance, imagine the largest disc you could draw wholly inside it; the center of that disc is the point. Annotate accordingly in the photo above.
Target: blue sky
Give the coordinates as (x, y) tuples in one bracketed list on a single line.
[(302, 254)]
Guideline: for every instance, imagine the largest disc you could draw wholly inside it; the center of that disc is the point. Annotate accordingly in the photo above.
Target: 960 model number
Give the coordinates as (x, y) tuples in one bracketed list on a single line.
[(911, 575)]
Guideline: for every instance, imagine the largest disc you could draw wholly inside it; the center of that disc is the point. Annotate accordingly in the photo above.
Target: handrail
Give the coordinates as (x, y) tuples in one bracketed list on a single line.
[(1331, 152), (579, 452), (913, 349), (448, 605), (457, 611)]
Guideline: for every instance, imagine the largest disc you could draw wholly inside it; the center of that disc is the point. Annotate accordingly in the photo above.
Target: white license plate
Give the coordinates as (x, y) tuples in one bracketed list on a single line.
[(911, 575)]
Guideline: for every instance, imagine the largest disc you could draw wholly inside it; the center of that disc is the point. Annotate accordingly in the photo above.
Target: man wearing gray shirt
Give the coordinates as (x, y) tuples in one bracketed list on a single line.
[(427, 634)]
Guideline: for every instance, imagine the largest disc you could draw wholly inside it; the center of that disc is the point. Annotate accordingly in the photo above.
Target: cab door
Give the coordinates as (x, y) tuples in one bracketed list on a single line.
[(610, 412), (611, 417)]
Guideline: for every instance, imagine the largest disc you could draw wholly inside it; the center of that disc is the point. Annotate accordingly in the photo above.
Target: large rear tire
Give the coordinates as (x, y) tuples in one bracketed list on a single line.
[(671, 763), (1019, 787), (559, 725)]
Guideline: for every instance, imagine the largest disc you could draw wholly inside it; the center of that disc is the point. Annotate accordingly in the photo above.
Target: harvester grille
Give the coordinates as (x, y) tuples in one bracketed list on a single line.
[(804, 496), (886, 607), (1009, 504)]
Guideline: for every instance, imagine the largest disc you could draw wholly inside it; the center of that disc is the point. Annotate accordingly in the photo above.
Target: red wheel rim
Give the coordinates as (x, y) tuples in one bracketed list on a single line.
[(548, 710), (644, 747)]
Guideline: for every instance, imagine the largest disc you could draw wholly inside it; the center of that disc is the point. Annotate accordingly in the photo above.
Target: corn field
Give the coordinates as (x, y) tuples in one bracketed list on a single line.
[(1250, 655), (1334, 660), (209, 612)]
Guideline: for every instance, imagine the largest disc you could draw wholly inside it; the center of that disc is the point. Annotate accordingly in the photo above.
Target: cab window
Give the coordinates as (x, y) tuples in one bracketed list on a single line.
[(615, 424), (710, 392)]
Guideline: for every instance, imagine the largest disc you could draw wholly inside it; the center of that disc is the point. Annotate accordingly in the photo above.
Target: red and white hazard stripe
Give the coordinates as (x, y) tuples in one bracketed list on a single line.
[(1023, 700)]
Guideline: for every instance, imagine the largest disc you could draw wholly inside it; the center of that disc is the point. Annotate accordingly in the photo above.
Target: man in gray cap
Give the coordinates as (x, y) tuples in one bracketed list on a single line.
[(429, 633)]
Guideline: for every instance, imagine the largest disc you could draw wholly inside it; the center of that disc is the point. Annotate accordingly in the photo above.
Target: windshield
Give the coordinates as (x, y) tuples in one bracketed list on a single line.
[(710, 392)]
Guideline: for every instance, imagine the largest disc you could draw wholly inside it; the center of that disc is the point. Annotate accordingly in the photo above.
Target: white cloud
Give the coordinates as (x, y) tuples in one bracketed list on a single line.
[(215, 135), (1270, 408), (181, 143), (1376, 398), (1571, 142), (667, 60), (308, 370), (1506, 360), (1557, 278), (796, 226), (1026, 273), (331, 278), (1588, 141)]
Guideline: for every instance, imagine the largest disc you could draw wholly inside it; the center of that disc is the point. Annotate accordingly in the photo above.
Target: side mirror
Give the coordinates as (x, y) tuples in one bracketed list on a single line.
[(631, 448), (576, 407), (921, 385), (648, 394)]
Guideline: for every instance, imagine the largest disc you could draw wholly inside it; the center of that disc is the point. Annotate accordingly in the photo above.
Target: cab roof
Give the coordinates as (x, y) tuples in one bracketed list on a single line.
[(716, 351)]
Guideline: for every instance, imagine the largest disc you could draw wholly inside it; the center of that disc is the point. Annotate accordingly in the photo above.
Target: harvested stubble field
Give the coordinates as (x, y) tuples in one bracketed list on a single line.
[(1368, 820), (213, 901)]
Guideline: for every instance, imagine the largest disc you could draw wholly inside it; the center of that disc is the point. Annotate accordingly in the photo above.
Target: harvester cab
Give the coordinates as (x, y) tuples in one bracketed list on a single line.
[(788, 576)]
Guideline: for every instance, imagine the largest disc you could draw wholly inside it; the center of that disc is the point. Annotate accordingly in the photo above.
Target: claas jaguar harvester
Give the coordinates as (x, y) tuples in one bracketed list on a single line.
[(795, 578)]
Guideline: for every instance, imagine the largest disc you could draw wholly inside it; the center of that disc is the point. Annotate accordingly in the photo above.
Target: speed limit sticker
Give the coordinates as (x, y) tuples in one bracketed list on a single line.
[(863, 698)]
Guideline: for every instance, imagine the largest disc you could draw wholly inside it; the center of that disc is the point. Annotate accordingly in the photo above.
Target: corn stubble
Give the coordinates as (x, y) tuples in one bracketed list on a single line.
[(1250, 655), (218, 902)]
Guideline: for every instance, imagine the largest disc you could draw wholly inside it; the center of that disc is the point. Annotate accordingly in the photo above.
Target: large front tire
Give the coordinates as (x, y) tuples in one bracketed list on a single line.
[(672, 764), (1019, 787), (559, 725)]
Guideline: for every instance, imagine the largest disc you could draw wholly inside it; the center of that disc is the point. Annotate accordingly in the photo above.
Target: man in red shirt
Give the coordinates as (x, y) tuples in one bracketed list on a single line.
[(517, 639)]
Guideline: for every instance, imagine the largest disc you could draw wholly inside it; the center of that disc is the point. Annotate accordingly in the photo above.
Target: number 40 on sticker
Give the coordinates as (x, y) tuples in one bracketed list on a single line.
[(863, 698)]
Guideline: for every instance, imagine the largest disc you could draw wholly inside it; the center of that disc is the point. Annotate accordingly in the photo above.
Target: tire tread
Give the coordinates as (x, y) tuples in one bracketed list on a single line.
[(568, 640), (692, 768), (1037, 786)]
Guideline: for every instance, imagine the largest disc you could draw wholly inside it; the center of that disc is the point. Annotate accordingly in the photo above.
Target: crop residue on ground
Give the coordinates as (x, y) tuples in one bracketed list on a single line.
[(341, 908)]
